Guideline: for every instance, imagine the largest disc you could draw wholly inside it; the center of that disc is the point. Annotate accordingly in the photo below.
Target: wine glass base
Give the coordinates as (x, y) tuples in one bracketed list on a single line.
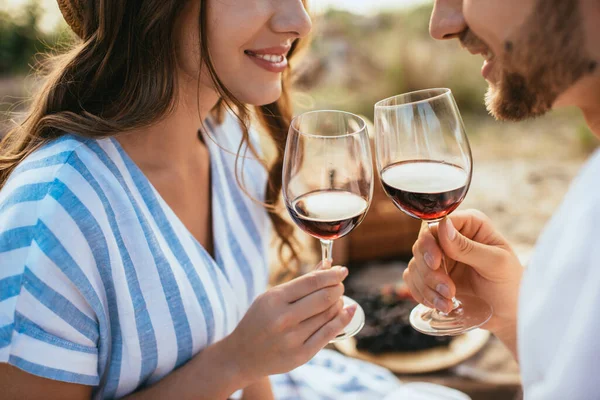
[(473, 313), (355, 325)]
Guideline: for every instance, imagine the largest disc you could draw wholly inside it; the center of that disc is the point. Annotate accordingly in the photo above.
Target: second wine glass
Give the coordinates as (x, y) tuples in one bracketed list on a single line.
[(328, 181), (425, 164)]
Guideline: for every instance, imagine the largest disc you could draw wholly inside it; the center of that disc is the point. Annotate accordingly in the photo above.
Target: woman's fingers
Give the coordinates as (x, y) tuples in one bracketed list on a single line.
[(309, 326), (330, 330), (316, 280), (323, 265), (316, 302)]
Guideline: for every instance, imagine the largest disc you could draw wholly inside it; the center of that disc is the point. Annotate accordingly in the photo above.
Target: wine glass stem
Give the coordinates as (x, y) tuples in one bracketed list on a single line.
[(326, 246), (455, 302)]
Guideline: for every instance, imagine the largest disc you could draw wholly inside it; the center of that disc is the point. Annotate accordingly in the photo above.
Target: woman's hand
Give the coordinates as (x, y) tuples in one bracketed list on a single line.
[(287, 325), (260, 390), (480, 262)]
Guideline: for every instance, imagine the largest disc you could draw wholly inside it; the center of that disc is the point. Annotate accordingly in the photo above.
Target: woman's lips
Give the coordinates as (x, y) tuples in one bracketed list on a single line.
[(272, 60)]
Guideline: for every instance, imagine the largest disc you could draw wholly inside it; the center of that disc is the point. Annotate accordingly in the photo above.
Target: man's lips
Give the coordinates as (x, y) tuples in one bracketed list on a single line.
[(488, 57), (486, 69), (474, 45), (478, 50)]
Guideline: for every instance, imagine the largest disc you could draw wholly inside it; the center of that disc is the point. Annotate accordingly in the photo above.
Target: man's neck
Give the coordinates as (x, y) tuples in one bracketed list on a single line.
[(592, 118), (585, 95), (590, 102), (591, 92)]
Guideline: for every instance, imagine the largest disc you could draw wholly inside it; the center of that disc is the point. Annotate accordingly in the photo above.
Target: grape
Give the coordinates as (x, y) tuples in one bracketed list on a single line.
[(387, 327)]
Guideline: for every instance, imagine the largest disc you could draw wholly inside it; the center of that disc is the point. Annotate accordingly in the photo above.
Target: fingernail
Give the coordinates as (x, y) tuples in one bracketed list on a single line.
[(439, 304), (444, 290), (428, 260), (451, 229), (351, 310), (344, 272), (323, 265)]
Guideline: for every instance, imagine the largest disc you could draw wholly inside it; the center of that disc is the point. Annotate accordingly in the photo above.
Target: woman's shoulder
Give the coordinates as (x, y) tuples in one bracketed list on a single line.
[(69, 162), (49, 161), (49, 317), (56, 184), (52, 216)]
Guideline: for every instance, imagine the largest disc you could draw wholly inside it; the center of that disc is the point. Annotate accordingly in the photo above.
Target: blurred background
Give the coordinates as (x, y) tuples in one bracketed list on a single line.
[(364, 51)]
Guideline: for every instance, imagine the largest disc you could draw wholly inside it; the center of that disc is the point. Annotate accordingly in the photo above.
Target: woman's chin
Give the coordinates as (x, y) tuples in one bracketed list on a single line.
[(261, 95)]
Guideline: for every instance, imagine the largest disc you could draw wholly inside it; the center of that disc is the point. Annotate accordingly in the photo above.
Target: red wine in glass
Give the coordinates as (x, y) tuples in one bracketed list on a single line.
[(426, 165), (328, 214), (425, 189)]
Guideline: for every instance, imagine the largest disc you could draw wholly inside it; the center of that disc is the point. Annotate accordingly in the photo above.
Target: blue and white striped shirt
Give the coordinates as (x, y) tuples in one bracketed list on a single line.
[(101, 284)]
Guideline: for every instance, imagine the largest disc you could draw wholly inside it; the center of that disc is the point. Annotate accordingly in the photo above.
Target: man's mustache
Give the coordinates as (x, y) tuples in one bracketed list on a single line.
[(471, 41)]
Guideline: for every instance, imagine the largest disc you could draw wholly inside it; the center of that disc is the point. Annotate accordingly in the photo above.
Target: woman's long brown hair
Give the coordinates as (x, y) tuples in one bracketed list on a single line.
[(121, 77)]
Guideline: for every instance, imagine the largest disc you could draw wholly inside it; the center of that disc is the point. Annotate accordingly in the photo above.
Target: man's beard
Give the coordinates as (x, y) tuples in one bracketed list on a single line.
[(544, 58)]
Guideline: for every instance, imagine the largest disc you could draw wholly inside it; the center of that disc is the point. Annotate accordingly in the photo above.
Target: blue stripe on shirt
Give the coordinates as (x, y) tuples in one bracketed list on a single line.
[(212, 270), (54, 159), (55, 251), (10, 287), (146, 334), (53, 373), (238, 201), (91, 229), (184, 342), (219, 262), (25, 193), (60, 305), (53, 148), (16, 238), (27, 327), (234, 245), (53, 248), (6, 332)]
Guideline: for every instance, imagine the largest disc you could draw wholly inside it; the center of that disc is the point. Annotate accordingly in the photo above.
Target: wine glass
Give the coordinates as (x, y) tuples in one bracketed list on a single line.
[(425, 165), (328, 182)]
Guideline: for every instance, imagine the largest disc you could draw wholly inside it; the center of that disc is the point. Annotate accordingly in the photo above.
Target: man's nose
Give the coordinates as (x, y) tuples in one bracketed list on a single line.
[(447, 20)]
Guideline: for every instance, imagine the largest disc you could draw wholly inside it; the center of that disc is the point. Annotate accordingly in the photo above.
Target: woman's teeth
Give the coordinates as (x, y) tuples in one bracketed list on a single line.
[(270, 57), (488, 55)]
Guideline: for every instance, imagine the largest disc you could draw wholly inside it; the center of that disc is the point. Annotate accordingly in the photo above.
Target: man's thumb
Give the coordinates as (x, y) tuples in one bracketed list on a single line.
[(462, 249)]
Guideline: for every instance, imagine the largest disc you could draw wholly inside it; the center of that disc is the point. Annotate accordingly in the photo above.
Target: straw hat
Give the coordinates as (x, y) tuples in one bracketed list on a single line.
[(73, 12)]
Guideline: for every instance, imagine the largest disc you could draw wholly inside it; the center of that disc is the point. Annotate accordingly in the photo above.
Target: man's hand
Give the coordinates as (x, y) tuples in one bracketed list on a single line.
[(480, 262)]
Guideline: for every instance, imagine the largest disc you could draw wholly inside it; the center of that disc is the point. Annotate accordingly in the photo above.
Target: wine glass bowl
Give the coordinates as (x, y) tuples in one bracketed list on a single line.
[(425, 165), (328, 181), (423, 189)]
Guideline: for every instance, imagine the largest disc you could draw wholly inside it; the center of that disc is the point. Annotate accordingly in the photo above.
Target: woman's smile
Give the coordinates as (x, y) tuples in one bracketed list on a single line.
[(272, 59)]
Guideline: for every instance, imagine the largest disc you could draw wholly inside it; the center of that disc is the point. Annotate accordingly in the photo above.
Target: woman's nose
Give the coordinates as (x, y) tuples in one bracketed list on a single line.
[(292, 17)]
